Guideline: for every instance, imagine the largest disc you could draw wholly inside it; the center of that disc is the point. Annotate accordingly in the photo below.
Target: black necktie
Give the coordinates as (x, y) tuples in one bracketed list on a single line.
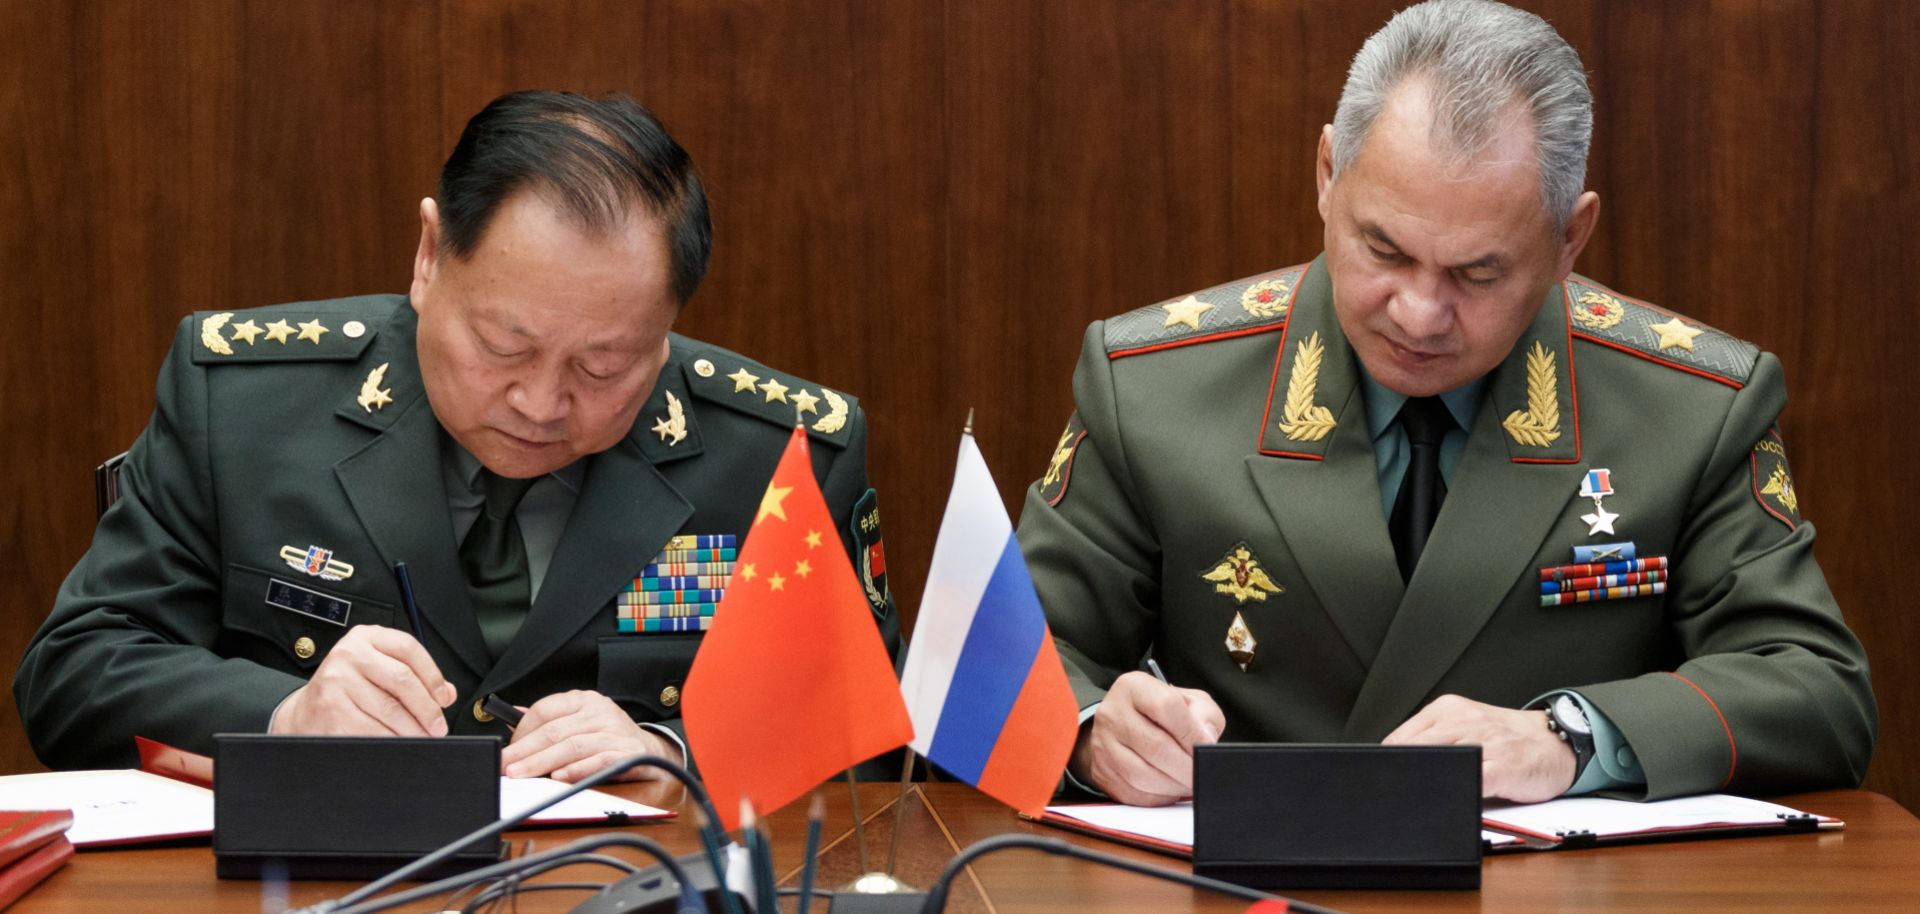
[(494, 558), (1427, 422)]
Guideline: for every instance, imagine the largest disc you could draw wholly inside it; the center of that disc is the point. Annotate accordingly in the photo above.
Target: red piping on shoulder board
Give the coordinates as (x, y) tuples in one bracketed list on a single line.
[(1736, 385), (1732, 750), (1175, 344)]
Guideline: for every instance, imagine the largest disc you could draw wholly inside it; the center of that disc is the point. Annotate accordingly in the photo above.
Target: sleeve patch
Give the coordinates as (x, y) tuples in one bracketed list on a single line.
[(870, 559), (1772, 481), (1053, 485)]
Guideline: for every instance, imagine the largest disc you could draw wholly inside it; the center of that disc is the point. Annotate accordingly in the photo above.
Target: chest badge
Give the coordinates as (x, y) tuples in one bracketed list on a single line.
[(316, 562), (1597, 485), (1238, 575)]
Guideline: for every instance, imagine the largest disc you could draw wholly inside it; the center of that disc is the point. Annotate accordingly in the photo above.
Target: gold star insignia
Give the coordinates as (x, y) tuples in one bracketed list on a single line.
[(813, 539), (804, 402), (747, 572), (743, 380), (278, 331), (802, 569), (246, 331), (775, 390), (1674, 333), (772, 503), (1186, 311), (777, 582), (311, 330)]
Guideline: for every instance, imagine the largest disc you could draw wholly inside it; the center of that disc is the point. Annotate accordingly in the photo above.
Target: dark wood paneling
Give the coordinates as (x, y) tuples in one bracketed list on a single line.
[(925, 201)]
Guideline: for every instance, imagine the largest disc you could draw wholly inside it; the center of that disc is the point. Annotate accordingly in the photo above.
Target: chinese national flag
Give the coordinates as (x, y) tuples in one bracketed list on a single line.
[(792, 684)]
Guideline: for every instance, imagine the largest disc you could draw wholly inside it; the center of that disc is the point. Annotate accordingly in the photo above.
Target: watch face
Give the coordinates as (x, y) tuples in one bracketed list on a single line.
[(1570, 715)]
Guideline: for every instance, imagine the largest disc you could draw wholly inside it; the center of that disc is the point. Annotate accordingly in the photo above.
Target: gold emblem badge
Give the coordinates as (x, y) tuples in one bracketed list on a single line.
[(1185, 311), (1240, 643), (673, 428), (836, 416), (1062, 452), (1238, 575), (210, 333), (1780, 486), (1598, 311), (1539, 425), (1773, 482), (1675, 332), (1267, 298), (371, 396), (1300, 419)]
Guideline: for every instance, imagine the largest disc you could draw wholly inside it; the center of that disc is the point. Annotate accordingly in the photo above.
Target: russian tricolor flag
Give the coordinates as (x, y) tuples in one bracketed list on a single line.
[(989, 700)]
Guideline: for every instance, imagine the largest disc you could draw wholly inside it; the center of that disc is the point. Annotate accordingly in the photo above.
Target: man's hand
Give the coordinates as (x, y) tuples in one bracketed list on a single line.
[(376, 681), (1520, 759), (1140, 746), (574, 734)]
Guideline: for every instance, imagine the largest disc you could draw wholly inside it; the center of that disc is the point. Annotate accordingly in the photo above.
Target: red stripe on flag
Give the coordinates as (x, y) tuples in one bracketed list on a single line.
[(1032, 751)]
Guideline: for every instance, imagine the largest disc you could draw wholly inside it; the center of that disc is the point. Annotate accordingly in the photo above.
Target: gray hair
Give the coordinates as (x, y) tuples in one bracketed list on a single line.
[(1478, 58)]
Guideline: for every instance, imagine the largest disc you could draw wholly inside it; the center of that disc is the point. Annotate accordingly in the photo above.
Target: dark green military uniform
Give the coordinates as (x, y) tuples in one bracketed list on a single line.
[(1218, 465), (274, 462)]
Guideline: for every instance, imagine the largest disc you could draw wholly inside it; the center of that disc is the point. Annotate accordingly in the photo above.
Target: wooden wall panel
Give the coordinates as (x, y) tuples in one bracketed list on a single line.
[(925, 201)]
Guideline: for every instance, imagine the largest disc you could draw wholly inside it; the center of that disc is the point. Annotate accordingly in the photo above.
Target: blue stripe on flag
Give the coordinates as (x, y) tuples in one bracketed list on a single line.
[(992, 669)]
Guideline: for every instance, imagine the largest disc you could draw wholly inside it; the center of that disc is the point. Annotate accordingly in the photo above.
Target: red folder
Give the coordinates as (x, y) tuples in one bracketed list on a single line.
[(21, 833)]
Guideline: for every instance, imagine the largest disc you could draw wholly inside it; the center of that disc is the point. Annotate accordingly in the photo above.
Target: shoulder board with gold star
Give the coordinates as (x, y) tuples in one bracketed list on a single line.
[(739, 383), (1603, 316), (286, 333), (1256, 304)]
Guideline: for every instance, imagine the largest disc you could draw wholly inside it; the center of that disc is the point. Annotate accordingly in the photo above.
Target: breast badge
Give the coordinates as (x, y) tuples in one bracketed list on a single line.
[(1240, 643), (316, 562), (1589, 581), (1597, 485), (1239, 575)]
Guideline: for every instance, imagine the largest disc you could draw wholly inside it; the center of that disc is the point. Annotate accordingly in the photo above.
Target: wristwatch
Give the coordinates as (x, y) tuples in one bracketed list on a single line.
[(1569, 722)]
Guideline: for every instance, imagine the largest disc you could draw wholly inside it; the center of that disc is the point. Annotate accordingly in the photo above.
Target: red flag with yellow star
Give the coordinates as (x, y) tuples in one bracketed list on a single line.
[(792, 683)]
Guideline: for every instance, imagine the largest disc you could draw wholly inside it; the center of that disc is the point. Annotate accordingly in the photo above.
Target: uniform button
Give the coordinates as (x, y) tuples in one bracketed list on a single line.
[(303, 648), (670, 696), (354, 330), (480, 712), (703, 368)]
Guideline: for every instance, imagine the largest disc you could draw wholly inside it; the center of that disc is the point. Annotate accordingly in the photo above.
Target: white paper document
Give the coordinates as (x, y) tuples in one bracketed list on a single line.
[(131, 807), (1614, 818), (1172, 824)]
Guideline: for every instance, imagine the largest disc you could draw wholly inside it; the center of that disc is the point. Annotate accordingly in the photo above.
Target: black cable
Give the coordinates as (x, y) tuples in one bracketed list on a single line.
[(689, 899), (502, 891), (532, 871), (937, 895), (350, 901)]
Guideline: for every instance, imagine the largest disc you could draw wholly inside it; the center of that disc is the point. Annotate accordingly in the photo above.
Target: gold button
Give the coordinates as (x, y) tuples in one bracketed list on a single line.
[(480, 712), (670, 696), (304, 648), (354, 330), (703, 368)]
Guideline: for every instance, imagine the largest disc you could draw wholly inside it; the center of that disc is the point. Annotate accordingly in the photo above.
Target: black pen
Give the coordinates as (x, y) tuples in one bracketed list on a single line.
[(406, 599)]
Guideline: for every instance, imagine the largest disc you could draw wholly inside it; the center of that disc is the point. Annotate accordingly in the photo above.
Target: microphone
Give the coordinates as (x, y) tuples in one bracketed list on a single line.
[(937, 895), (352, 903)]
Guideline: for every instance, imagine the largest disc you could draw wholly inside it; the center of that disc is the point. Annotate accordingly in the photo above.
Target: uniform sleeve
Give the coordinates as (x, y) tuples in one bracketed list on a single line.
[(1772, 695), (847, 493), (1092, 555), (129, 647)]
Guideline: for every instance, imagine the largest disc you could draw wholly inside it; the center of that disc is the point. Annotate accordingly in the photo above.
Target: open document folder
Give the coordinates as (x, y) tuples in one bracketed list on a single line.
[(135, 807), (1565, 823)]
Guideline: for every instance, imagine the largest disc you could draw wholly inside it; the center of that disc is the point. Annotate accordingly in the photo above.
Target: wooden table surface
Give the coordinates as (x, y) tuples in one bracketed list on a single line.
[(1872, 865)]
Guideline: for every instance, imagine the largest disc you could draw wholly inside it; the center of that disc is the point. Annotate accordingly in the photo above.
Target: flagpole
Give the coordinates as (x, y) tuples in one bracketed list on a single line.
[(900, 810), (859, 824)]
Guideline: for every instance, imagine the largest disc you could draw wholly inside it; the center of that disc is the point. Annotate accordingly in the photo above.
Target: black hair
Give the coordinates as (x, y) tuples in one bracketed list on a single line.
[(595, 159)]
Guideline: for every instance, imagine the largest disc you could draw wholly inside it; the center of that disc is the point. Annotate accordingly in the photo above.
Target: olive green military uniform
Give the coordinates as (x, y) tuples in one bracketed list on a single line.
[(275, 462), (1233, 419)]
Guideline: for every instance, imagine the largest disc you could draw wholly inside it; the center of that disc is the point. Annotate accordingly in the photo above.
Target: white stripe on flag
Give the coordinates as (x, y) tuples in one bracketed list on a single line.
[(973, 535)]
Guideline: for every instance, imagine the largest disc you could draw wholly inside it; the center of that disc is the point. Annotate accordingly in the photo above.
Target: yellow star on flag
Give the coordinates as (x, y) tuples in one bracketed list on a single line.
[(747, 572), (773, 503), (804, 402), (743, 380), (777, 582), (802, 569), (246, 331), (1186, 311), (775, 390), (311, 330), (278, 331), (813, 539), (1674, 333)]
